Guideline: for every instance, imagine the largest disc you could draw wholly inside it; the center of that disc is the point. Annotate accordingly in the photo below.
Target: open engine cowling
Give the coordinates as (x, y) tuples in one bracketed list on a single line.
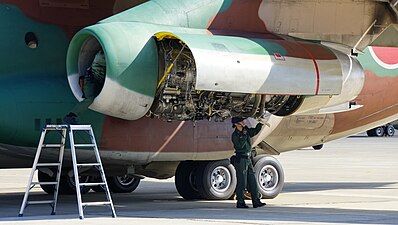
[(177, 73)]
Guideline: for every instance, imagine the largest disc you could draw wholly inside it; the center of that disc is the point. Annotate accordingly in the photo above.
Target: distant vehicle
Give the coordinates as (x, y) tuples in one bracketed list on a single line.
[(385, 130)]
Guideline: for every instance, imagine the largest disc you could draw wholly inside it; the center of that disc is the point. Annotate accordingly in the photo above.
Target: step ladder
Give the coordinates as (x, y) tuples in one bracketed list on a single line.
[(63, 130)]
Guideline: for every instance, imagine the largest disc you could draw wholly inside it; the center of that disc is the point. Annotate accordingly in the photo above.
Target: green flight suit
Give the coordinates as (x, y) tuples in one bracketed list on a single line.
[(93, 83), (243, 164)]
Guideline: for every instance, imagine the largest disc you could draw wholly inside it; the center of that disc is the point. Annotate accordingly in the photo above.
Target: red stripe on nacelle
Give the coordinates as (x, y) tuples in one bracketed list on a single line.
[(316, 68)]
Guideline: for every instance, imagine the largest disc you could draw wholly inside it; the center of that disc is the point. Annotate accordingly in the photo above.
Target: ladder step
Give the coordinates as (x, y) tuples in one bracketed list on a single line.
[(88, 164), (95, 203), (56, 127), (40, 202), (52, 145), (48, 164), (80, 127), (64, 131), (45, 183), (92, 184), (85, 145)]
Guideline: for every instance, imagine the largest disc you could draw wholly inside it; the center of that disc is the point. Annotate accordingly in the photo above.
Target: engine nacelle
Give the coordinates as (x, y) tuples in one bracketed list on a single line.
[(189, 74), (352, 84), (131, 67)]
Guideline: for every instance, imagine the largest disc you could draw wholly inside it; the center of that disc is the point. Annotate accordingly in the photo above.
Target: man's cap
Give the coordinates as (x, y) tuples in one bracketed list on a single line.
[(236, 120)]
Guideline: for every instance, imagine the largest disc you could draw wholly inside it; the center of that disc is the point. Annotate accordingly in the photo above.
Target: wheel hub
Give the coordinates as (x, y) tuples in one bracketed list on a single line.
[(220, 179), (125, 180), (268, 178)]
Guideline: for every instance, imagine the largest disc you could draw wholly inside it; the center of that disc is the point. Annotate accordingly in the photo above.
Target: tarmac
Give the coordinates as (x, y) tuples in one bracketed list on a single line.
[(350, 181)]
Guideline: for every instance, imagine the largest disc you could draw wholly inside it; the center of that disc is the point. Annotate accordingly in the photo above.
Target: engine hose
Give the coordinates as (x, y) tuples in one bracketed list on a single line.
[(170, 67), (262, 107), (255, 107)]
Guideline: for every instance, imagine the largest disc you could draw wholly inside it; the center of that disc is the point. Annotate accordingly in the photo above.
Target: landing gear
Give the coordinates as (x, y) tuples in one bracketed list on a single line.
[(45, 177), (212, 180), (386, 130), (185, 180), (216, 180), (269, 175), (376, 132), (390, 130), (66, 183), (123, 184)]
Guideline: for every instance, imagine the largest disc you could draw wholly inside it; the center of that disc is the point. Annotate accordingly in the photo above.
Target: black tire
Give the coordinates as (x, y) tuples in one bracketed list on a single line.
[(44, 177), (376, 132), (67, 185), (185, 179), (390, 131), (217, 180), (96, 188), (379, 131), (317, 147), (370, 133), (123, 184), (269, 176)]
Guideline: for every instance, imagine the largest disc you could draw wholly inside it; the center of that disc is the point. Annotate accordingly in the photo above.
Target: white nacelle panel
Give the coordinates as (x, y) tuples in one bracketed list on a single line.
[(234, 64)]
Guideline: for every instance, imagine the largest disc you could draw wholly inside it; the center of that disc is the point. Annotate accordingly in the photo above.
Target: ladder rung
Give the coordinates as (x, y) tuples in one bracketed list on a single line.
[(48, 164), (80, 127), (88, 164), (56, 127), (52, 145), (92, 184), (95, 203), (85, 145), (45, 183), (40, 202)]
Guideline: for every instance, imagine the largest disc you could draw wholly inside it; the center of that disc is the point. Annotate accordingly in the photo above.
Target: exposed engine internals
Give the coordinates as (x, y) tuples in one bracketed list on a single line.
[(177, 99)]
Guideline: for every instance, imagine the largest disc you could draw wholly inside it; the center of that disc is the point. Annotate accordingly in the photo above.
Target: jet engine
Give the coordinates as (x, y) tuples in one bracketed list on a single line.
[(175, 73)]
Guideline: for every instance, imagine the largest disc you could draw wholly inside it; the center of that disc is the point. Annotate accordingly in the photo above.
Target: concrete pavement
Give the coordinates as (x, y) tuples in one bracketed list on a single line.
[(349, 181)]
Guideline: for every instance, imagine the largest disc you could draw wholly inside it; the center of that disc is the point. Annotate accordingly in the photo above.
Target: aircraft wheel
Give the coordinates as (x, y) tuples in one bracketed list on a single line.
[(370, 133), (185, 180), (390, 130), (123, 184), (376, 132), (269, 176), (379, 131), (67, 185), (44, 177), (217, 180)]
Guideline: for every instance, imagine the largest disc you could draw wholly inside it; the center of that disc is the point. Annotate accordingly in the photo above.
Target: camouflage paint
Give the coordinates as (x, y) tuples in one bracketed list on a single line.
[(378, 96), (33, 89), (117, 132)]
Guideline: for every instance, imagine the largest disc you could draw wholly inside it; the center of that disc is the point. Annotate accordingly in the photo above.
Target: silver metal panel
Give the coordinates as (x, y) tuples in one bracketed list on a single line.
[(233, 64)]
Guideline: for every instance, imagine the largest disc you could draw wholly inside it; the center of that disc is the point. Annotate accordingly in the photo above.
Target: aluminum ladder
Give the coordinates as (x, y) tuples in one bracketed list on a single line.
[(64, 130)]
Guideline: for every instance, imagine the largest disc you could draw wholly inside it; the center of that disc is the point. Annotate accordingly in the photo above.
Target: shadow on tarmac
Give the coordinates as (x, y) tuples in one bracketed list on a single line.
[(314, 186), (167, 204)]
